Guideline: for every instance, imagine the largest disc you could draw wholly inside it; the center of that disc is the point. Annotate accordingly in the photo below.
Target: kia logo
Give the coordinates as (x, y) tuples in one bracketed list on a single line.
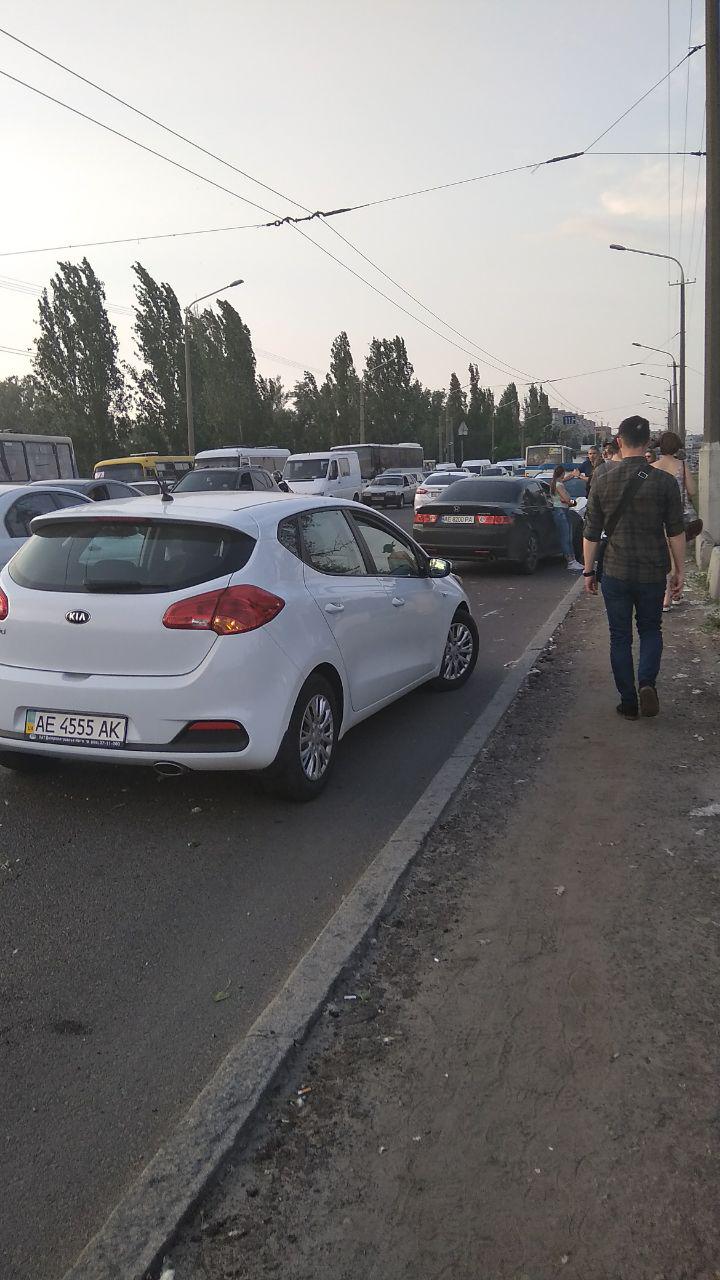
[(78, 616)]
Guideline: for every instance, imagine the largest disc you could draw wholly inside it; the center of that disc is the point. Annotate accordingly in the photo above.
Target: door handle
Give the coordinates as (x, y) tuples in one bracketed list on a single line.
[(398, 601), (334, 608)]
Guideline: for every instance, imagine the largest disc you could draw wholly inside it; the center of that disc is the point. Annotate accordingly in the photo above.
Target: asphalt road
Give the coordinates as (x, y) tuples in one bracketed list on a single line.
[(127, 902)]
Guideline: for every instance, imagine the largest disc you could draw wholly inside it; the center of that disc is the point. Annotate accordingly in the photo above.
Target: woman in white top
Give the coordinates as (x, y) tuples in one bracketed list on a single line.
[(670, 445)]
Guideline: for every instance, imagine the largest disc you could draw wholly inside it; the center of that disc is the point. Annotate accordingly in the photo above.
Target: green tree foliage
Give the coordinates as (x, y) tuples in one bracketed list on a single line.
[(480, 415), (536, 416), (344, 388), (389, 399), (226, 402), (455, 413), (315, 414), (160, 416), (76, 364), (24, 408), (507, 423), (276, 419)]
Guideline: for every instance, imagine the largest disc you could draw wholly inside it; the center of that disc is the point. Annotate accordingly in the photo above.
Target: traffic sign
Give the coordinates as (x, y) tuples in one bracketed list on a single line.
[(462, 429)]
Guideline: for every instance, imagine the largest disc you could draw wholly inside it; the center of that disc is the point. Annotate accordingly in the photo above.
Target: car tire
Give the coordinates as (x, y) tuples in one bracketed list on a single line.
[(531, 559), (356, 497), (307, 755), (24, 762), (461, 654)]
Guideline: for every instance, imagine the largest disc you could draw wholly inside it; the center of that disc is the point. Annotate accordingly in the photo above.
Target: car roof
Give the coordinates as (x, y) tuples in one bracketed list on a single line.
[(225, 507)]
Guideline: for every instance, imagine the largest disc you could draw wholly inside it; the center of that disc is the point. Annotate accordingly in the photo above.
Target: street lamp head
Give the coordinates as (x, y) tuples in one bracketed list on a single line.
[(623, 249), (637, 344), (233, 283)]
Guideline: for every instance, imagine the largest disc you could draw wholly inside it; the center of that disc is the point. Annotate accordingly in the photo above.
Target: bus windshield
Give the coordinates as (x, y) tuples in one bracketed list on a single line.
[(548, 455)]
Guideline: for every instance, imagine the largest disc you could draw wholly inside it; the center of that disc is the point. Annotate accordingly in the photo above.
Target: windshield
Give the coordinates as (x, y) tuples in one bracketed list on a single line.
[(393, 480), (128, 556), (205, 481), (305, 469), (121, 471)]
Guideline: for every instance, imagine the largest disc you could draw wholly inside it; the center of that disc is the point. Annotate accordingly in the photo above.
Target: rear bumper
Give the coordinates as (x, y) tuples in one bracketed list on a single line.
[(450, 543), (255, 685)]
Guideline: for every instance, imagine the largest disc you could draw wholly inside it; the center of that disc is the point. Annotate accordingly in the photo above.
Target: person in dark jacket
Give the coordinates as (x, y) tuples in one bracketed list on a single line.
[(647, 543)]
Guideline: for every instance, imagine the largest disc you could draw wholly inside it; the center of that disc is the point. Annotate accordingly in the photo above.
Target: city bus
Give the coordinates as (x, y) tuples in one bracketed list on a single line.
[(144, 466), (26, 457), (543, 457), (374, 458)]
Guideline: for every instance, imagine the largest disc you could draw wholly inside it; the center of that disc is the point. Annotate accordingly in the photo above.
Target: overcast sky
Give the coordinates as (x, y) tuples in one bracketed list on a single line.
[(335, 103)]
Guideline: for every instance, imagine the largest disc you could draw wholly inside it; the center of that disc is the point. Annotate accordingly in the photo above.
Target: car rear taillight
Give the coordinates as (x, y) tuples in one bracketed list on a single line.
[(4, 606), (425, 517), (229, 612), (493, 519), (420, 489)]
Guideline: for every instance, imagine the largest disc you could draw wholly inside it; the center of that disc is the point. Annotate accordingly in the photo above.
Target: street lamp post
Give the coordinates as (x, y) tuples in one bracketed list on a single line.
[(658, 378), (188, 375), (670, 356), (623, 248)]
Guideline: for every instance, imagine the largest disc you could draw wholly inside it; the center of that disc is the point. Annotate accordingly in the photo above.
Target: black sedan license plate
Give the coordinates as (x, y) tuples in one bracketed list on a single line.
[(458, 519)]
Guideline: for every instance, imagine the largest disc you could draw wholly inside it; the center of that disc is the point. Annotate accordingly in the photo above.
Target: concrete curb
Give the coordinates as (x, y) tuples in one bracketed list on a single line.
[(141, 1228)]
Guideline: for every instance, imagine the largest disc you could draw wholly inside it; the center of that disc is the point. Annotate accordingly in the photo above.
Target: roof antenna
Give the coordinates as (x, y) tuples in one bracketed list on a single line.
[(165, 494)]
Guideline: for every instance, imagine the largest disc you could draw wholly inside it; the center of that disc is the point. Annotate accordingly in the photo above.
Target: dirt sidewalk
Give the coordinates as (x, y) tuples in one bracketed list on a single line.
[(521, 1078)]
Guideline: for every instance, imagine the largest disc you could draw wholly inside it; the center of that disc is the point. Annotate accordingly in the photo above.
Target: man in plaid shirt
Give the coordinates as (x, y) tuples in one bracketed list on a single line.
[(636, 562)]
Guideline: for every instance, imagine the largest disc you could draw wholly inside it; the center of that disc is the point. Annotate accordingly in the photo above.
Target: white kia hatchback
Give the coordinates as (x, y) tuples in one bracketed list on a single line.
[(219, 631)]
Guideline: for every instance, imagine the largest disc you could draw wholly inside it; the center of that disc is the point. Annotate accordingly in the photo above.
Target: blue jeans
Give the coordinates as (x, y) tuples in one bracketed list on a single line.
[(562, 527), (645, 599)]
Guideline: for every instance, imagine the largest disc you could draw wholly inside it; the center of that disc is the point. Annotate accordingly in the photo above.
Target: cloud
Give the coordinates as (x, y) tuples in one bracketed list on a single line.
[(638, 201)]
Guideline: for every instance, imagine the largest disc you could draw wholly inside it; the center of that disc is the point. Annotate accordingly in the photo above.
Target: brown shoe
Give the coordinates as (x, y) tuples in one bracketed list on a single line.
[(649, 701)]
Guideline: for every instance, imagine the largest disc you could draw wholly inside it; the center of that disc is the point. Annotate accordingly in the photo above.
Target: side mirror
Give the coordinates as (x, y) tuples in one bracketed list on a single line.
[(438, 568)]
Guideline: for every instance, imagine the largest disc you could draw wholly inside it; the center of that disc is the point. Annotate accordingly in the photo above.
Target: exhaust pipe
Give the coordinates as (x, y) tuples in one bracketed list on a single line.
[(169, 768)]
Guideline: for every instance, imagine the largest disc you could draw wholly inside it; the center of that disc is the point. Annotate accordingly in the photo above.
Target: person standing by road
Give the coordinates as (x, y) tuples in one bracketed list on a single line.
[(640, 507), (562, 502), (670, 446)]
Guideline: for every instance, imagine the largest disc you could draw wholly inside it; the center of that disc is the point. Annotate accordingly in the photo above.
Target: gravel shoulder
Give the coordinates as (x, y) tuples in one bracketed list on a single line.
[(520, 1080)]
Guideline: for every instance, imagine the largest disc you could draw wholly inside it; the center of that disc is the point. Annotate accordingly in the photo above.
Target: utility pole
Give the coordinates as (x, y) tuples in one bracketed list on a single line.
[(362, 411), (188, 371), (708, 546)]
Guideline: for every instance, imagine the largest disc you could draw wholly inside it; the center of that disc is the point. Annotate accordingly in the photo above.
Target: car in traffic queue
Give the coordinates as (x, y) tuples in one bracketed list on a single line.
[(95, 490), (226, 479), (490, 518), (20, 503), (219, 631), (434, 484), (393, 489)]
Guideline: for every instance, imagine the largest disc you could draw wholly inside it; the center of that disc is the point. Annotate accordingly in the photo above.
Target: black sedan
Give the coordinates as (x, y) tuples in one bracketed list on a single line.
[(490, 518)]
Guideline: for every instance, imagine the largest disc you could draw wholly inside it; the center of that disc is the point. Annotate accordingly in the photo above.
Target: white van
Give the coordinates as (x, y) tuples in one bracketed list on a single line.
[(478, 466), (331, 475), (269, 458)]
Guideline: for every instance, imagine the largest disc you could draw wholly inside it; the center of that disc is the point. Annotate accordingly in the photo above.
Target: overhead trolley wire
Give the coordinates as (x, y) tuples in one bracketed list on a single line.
[(310, 215)]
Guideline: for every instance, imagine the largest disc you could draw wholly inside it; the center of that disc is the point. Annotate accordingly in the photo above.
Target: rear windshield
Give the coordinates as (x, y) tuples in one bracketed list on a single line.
[(205, 481), (393, 480), (443, 477), (483, 491), (127, 471), (128, 556)]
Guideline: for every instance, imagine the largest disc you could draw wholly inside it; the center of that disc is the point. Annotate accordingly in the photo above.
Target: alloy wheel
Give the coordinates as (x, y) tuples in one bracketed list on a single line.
[(458, 651), (317, 734)]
